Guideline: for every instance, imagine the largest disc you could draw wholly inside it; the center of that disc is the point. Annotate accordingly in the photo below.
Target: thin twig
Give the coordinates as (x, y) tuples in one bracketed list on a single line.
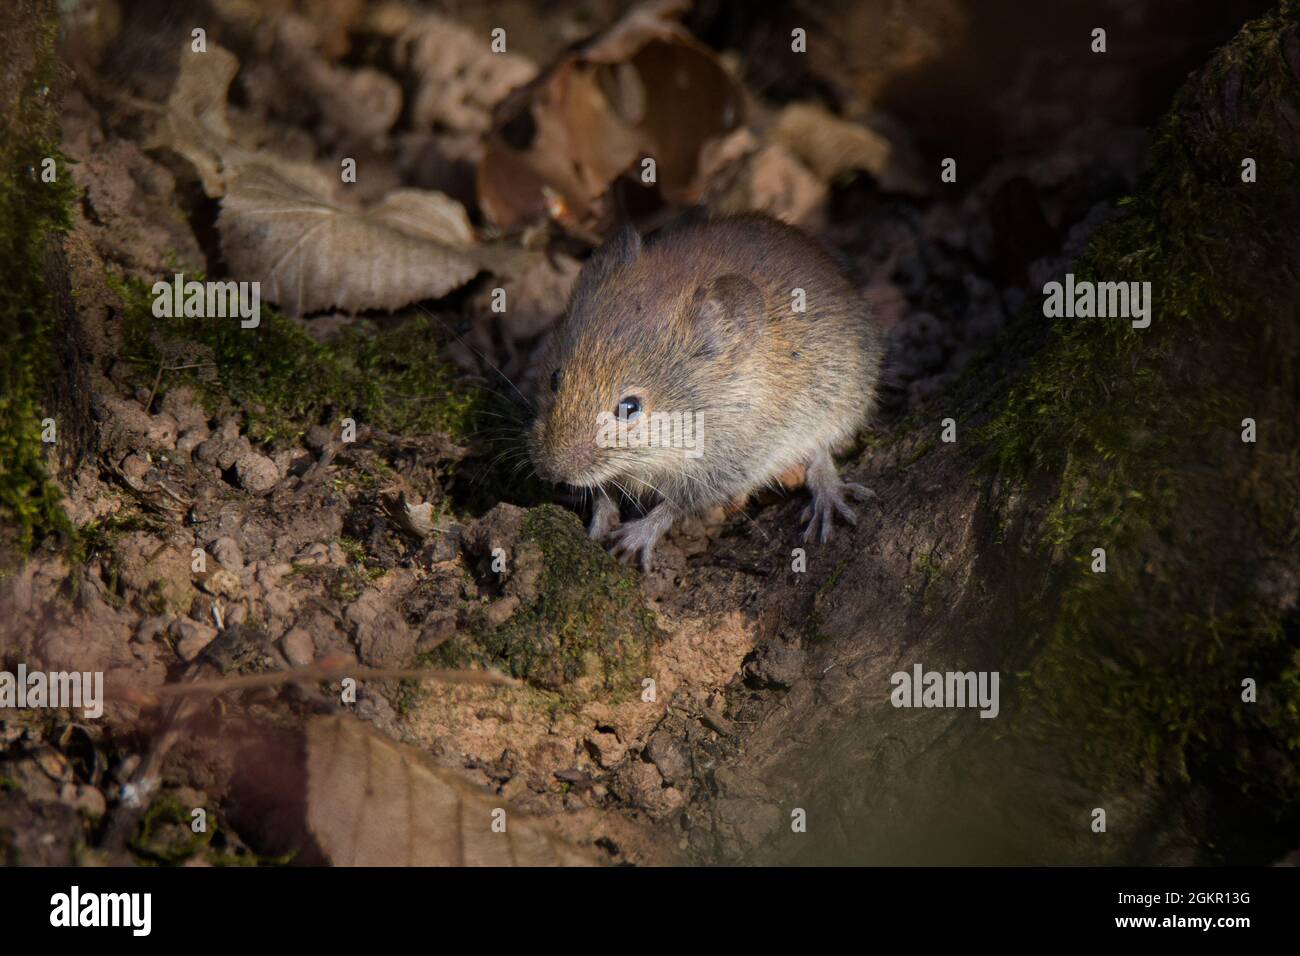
[(321, 672)]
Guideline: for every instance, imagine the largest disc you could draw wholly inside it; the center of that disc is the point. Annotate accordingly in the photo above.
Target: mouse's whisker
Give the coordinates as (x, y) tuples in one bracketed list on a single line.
[(619, 485), (491, 364), (713, 492), (657, 491)]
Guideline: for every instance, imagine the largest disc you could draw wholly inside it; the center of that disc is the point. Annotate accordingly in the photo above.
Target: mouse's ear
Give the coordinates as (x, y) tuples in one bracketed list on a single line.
[(620, 249), (623, 247), (729, 312)]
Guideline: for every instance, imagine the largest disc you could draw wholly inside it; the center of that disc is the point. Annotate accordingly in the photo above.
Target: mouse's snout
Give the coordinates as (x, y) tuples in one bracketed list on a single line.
[(561, 458), (571, 462)]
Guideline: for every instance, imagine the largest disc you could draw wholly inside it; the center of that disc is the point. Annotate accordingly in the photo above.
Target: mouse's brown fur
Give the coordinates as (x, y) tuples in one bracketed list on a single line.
[(701, 321)]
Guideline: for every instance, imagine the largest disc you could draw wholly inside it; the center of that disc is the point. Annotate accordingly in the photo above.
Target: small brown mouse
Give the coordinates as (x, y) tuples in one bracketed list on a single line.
[(684, 369)]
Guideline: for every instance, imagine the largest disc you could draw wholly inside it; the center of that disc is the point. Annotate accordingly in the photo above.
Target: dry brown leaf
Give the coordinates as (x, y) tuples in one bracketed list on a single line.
[(363, 102), (283, 225), (649, 65), (280, 224), (459, 78), (722, 157), (774, 182), (333, 20), (587, 129), (538, 293), (425, 213), (653, 19), (374, 802), (194, 124), (328, 669), (558, 144), (831, 147), (828, 145)]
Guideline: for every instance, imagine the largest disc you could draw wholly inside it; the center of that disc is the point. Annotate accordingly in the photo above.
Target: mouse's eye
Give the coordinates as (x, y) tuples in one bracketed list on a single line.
[(555, 381), (630, 408)]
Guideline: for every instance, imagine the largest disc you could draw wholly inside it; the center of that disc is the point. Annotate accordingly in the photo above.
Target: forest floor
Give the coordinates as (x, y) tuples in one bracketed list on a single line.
[(335, 488)]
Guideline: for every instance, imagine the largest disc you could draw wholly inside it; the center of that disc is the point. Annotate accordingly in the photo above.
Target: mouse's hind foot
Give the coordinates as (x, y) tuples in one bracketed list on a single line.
[(829, 498)]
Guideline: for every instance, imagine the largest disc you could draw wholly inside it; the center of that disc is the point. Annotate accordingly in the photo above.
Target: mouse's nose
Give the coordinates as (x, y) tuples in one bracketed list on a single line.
[(571, 463), (581, 457)]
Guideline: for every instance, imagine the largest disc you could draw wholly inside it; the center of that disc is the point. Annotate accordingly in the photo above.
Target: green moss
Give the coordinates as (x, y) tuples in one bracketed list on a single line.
[(588, 620), (814, 627), (353, 549), (33, 214), (285, 381), (921, 451), (100, 536), (930, 566), (834, 577), (1135, 434), (164, 835), (409, 694), (343, 584)]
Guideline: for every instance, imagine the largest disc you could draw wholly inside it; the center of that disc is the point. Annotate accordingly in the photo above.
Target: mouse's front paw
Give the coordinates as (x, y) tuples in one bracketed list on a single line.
[(604, 518), (638, 538), (828, 501)]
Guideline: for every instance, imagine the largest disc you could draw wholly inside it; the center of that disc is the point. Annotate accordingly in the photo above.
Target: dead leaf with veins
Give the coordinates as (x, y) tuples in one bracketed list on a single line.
[(371, 801), (288, 226), (282, 225)]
